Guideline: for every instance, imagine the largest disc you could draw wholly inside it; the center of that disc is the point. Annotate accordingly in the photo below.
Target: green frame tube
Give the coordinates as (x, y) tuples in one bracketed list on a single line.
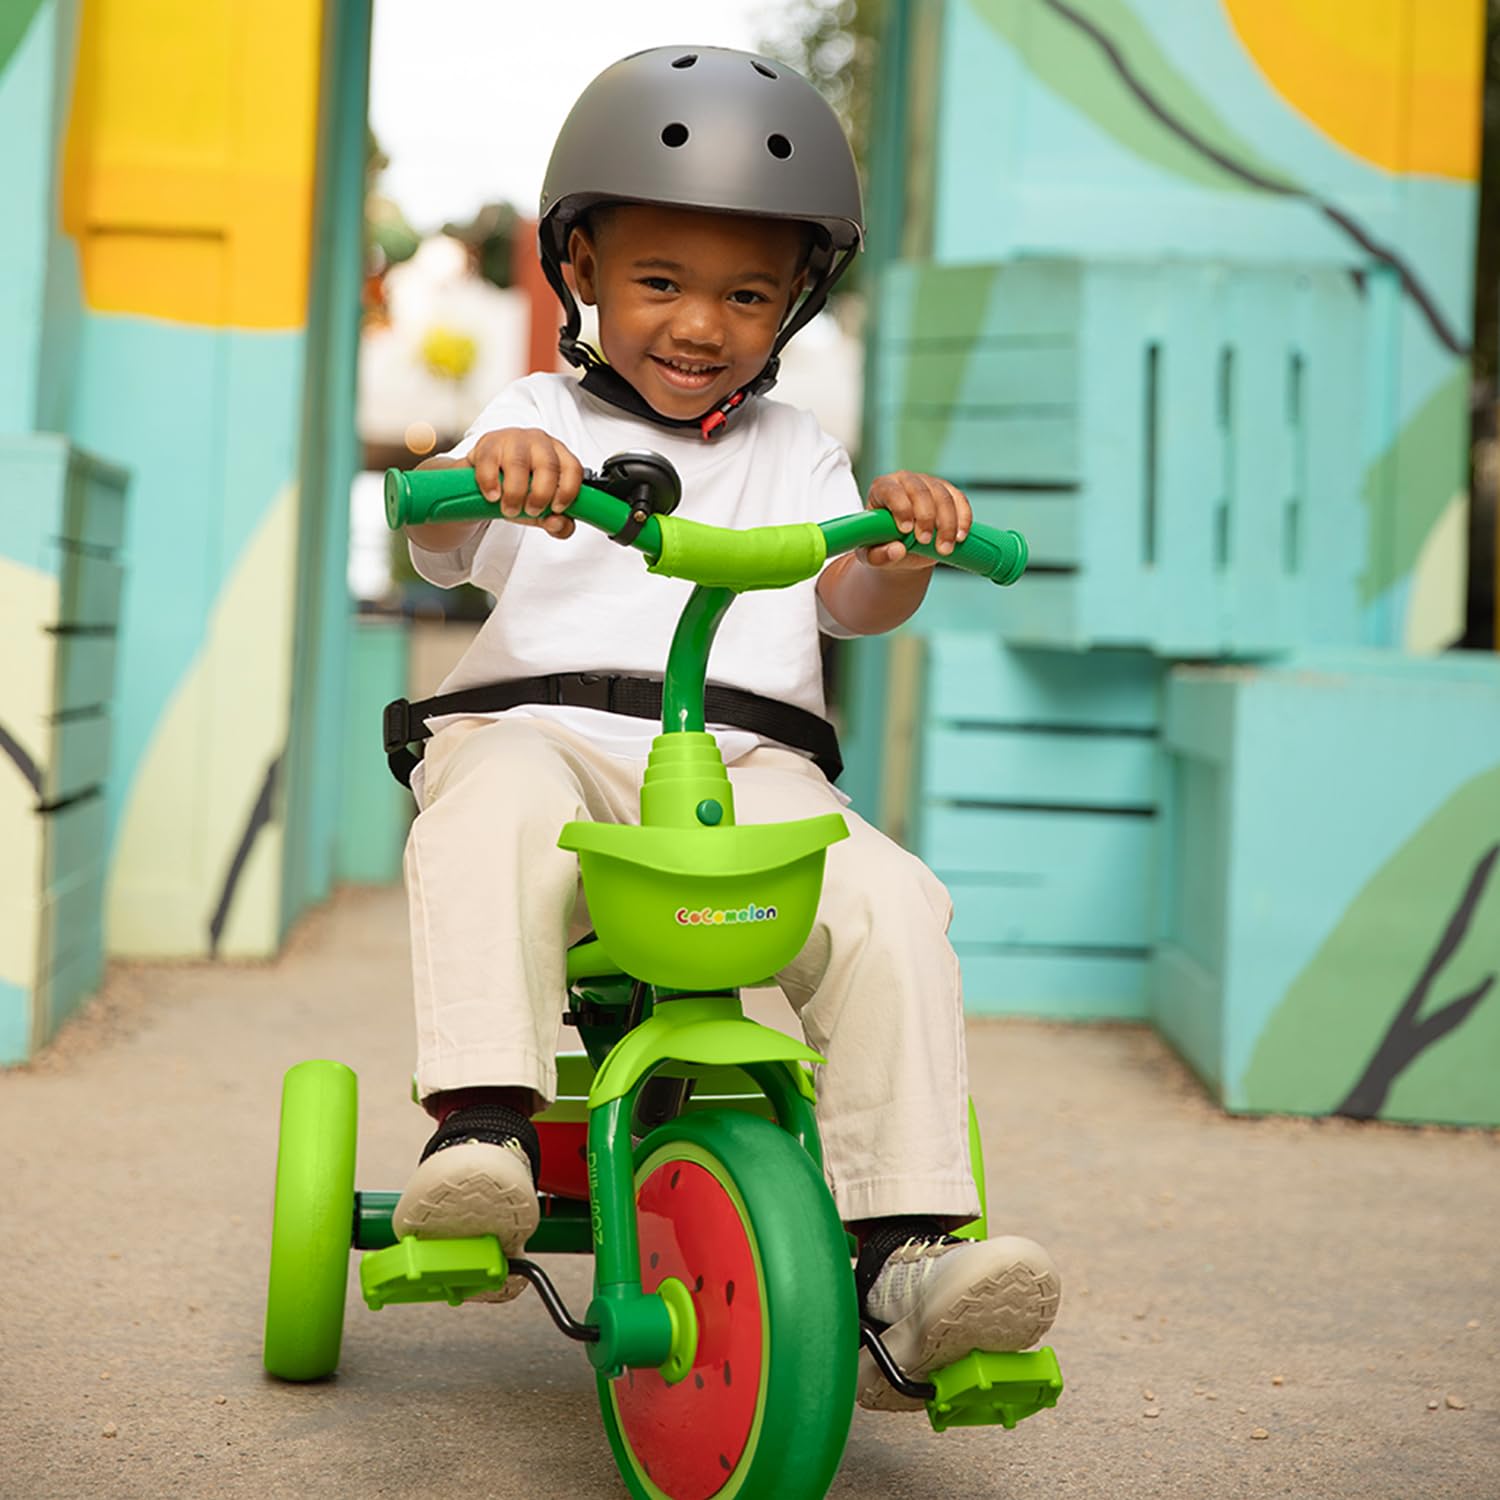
[(794, 1110), (687, 660), (564, 1227)]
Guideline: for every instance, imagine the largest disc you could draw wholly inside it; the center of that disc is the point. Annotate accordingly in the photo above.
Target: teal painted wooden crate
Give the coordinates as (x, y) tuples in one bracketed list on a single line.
[(1178, 442), (1330, 913), (60, 580), (1034, 800)]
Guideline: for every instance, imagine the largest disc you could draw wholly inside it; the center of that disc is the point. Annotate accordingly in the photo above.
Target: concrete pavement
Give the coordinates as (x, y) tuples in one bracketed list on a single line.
[(1320, 1283)]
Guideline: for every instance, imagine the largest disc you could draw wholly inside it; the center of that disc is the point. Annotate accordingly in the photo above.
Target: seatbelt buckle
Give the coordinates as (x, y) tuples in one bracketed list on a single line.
[(586, 690), (396, 725)]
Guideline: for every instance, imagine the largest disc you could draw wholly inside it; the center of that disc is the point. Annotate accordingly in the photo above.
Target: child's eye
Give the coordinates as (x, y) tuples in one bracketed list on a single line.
[(746, 298), (657, 284)]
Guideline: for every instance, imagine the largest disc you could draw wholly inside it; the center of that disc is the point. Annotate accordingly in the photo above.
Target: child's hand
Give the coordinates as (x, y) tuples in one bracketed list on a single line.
[(922, 503), (530, 475)]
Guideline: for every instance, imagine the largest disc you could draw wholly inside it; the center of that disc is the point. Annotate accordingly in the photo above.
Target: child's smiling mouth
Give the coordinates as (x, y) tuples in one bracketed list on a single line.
[(687, 375)]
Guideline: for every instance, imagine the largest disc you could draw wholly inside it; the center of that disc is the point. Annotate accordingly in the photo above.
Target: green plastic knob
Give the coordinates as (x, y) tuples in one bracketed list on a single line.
[(710, 812)]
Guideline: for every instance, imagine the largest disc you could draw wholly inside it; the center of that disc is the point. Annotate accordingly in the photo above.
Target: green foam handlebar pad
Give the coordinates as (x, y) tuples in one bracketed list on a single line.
[(758, 557)]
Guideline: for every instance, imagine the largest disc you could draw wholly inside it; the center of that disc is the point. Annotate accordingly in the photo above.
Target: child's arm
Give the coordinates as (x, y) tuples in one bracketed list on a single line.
[(877, 588), (528, 474)]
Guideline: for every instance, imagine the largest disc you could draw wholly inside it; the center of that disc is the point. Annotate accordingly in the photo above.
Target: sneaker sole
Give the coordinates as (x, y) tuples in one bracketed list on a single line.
[(472, 1189), (1010, 1304)]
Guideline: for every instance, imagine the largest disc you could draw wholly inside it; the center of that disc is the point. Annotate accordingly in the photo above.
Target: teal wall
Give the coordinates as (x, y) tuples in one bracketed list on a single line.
[(1184, 292), (1110, 129), (191, 318)]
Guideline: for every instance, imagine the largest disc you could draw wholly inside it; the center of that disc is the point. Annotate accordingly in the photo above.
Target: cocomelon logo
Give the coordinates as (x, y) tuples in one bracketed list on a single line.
[(710, 917)]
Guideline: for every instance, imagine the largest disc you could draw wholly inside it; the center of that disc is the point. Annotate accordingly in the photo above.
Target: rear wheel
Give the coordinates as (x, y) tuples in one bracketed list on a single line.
[(733, 1208), (313, 1229)]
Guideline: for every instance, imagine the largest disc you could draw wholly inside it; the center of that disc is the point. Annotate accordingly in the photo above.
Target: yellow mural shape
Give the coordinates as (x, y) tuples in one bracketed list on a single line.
[(1397, 82), (190, 158)]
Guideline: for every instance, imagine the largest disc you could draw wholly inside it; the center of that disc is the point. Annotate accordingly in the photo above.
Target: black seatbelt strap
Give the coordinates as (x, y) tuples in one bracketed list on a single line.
[(640, 697)]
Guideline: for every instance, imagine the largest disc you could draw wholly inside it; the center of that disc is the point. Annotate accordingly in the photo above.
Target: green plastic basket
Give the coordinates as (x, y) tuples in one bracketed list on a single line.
[(703, 908)]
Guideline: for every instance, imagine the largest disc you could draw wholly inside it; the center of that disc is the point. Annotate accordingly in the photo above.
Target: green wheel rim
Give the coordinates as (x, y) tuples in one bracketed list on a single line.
[(809, 1315), (313, 1228)]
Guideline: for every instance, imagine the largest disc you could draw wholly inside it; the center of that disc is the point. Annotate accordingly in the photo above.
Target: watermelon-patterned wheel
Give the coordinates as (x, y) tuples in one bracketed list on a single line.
[(734, 1209)]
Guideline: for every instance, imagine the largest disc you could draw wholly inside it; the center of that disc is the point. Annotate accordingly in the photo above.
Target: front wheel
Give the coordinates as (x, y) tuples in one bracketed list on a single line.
[(313, 1228), (734, 1209)]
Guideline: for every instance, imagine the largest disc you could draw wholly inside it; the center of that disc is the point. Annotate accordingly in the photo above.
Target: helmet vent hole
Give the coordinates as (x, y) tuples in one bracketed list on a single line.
[(685, 61), (675, 134), (762, 69), (779, 146)]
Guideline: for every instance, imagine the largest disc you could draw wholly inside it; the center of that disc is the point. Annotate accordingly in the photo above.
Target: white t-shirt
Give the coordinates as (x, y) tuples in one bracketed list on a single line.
[(587, 604)]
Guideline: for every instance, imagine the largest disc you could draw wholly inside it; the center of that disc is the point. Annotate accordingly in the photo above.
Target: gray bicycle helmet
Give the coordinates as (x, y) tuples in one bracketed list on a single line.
[(704, 128)]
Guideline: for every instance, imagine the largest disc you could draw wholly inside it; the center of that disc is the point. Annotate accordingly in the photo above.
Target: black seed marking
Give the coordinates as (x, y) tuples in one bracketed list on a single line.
[(675, 1176), (698, 1381), (630, 1376), (725, 1464), (728, 1379), (698, 1285), (583, 1153), (728, 1294), (654, 1258)]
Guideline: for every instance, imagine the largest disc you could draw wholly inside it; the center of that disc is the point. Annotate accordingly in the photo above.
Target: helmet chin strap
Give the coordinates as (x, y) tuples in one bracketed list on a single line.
[(602, 380)]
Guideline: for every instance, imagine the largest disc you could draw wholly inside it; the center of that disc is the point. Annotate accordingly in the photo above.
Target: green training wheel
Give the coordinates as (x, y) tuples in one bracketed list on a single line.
[(313, 1229)]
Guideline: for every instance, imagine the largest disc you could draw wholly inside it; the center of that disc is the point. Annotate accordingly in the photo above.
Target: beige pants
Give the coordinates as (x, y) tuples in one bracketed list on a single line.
[(494, 903)]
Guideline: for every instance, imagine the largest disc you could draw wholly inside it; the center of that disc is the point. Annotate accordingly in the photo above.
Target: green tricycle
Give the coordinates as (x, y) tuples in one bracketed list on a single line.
[(682, 1150)]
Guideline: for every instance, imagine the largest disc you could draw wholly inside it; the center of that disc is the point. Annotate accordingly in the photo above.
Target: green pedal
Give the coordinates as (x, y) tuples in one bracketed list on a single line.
[(982, 1389), (450, 1271)]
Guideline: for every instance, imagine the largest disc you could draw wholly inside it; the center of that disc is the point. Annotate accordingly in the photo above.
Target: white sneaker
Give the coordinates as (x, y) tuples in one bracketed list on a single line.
[(942, 1298), (473, 1187)]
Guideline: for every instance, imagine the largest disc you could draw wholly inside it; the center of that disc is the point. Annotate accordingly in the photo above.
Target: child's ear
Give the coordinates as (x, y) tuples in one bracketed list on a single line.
[(585, 263)]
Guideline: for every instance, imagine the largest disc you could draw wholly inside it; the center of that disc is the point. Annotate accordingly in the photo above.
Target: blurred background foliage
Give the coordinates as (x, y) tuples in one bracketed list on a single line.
[(832, 42)]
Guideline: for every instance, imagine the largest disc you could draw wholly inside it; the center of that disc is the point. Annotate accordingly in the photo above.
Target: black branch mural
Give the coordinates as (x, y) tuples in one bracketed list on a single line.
[(1408, 1037)]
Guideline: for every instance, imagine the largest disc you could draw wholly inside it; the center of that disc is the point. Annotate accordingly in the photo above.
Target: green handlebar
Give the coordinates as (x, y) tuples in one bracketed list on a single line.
[(432, 495)]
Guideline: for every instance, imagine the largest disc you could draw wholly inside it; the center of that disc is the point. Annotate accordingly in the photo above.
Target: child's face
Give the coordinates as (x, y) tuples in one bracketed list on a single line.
[(689, 302)]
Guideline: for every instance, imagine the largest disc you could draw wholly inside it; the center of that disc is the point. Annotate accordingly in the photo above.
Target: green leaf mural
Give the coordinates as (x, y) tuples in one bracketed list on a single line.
[(1406, 489), (1100, 57), (944, 298), (15, 21), (1398, 1013), (1058, 47)]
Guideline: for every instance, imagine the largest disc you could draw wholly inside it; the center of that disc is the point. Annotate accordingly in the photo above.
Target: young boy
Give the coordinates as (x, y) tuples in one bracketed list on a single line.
[(706, 201)]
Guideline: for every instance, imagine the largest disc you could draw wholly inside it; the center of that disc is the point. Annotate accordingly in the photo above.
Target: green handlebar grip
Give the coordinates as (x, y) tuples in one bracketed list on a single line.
[(988, 551), (421, 496), (414, 499)]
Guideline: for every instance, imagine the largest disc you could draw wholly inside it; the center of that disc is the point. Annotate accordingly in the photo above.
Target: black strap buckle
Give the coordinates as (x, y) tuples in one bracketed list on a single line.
[(396, 726), (582, 690)]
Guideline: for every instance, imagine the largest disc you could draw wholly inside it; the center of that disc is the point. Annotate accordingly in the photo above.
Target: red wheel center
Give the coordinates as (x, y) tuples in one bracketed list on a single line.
[(688, 1437)]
